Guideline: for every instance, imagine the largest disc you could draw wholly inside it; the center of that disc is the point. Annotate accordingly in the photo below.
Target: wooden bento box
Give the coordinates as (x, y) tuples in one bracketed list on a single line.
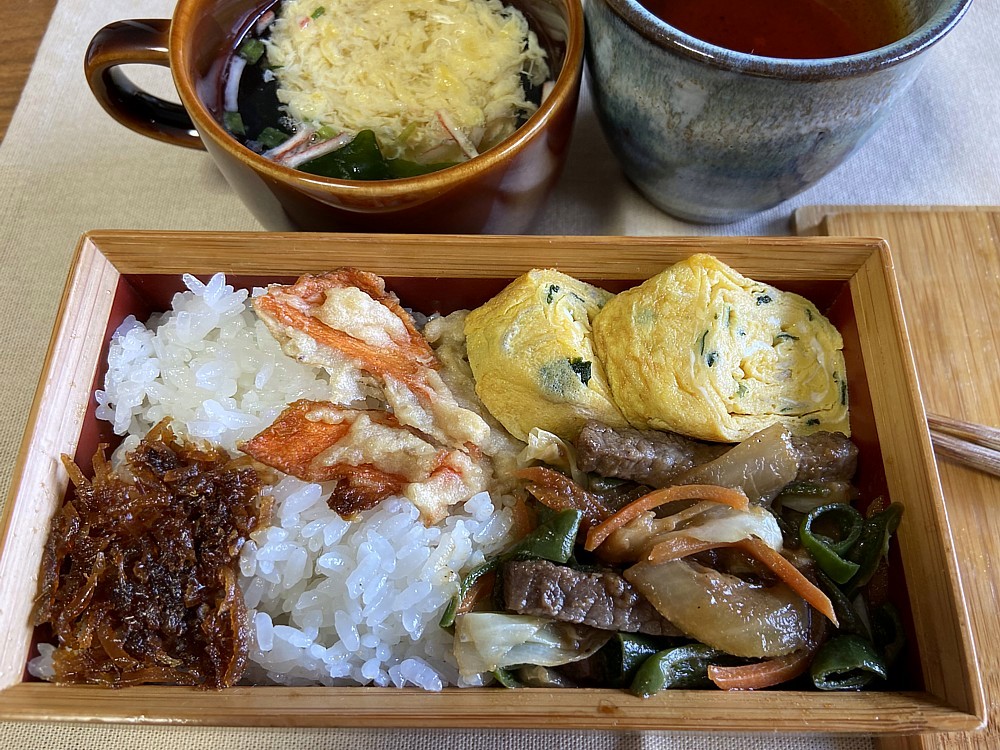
[(118, 273)]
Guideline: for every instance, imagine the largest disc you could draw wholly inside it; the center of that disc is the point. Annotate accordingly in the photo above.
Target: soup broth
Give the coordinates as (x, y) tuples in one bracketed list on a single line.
[(801, 29)]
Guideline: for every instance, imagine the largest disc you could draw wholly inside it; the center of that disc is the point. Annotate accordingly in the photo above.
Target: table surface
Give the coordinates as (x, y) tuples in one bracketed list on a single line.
[(24, 24)]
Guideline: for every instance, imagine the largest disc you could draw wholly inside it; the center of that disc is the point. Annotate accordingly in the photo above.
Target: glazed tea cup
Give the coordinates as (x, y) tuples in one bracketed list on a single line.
[(711, 135), (499, 191)]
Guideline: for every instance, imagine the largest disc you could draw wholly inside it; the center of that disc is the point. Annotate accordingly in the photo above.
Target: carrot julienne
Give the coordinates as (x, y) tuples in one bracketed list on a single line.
[(790, 575), (724, 495), (771, 672), (678, 547), (763, 674), (558, 492), (523, 518)]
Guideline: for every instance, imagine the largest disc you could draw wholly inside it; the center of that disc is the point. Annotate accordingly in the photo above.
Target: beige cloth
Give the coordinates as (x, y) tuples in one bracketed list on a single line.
[(66, 167)]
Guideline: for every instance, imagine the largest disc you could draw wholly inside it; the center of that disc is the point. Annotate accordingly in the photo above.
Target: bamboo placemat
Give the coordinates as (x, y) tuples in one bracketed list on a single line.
[(947, 261)]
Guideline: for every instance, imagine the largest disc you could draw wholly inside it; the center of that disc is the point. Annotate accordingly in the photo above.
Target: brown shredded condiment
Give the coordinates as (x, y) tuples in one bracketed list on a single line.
[(139, 576)]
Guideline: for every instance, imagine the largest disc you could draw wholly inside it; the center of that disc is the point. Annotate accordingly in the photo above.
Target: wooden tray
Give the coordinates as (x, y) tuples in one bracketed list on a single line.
[(115, 273), (947, 261)]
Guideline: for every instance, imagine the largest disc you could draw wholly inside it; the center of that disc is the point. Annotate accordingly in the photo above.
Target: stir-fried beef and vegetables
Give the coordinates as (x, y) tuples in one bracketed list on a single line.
[(740, 566)]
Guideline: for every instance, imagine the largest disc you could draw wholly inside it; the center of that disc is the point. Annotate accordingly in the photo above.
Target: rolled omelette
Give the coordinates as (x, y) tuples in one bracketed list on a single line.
[(702, 350), (532, 355)]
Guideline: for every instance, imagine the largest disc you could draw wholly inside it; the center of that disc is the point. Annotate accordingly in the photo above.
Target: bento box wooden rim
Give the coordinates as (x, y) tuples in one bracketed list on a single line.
[(952, 701)]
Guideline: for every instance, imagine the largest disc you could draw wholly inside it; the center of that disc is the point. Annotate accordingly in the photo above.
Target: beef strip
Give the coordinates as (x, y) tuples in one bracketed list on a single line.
[(825, 457), (602, 599), (645, 456), (654, 458)]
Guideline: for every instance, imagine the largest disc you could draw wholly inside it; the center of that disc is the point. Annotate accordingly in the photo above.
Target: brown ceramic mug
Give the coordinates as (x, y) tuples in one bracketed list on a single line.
[(499, 191)]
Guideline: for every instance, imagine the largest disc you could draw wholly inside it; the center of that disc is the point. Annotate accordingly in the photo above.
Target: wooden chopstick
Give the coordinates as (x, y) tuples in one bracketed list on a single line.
[(967, 443)]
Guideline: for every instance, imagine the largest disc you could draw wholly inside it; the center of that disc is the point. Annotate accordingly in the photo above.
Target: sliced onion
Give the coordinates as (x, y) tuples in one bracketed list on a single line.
[(723, 611), (723, 524), (231, 94), (825, 493), (677, 547), (664, 496), (704, 522), (761, 466)]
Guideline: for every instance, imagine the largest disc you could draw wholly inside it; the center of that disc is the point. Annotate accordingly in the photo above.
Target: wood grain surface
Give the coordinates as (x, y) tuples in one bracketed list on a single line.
[(23, 25), (947, 261)]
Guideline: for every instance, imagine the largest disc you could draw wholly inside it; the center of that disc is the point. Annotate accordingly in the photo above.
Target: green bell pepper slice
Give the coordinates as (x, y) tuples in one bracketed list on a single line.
[(888, 632), (621, 657), (847, 616), (846, 662), (552, 540), (873, 545), (675, 668), (468, 581), (828, 551), (505, 677)]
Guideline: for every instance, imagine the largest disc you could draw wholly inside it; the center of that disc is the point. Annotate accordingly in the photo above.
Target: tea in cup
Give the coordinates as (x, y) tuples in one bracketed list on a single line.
[(717, 109)]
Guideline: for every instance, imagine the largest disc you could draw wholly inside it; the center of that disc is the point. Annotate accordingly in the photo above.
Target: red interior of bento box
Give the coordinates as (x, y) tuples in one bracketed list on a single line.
[(142, 295)]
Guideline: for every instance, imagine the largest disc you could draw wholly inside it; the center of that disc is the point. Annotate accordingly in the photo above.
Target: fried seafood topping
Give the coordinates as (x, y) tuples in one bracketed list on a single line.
[(346, 317), (139, 577), (371, 457), (424, 444)]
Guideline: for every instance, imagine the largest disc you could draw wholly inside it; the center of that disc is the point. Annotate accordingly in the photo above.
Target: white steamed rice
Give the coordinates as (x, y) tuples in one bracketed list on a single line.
[(343, 603), (331, 602), (208, 363)]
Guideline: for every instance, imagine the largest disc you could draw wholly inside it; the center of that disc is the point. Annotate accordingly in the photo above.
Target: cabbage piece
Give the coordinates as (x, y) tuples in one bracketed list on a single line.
[(552, 450), (709, 522), (761, 466), (723, 524), (723, 611), (487, 641)]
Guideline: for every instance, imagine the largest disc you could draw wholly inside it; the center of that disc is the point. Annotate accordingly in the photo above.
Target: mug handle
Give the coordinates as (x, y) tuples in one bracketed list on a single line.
[(131, 42)]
